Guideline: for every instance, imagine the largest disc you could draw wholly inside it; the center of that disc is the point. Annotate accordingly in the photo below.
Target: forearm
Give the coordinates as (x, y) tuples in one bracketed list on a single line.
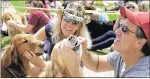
[(90, 60), (25, 28), (19, 26), (40, 35)]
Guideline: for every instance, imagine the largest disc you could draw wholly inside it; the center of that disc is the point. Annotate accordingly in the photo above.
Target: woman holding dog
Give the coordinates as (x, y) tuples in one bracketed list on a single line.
[(132, 44), (71, 21)]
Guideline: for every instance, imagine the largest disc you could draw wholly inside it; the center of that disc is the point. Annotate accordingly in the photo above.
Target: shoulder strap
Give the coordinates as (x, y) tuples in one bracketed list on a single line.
[(15, 73)]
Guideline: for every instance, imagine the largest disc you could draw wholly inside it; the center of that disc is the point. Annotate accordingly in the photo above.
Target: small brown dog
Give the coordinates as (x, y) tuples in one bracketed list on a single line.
[(16, 17), (56, 67), (13, 63)]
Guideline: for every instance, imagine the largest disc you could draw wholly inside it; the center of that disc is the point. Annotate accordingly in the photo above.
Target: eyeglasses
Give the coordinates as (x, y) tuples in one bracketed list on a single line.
[(130, 6), (125, 29), (68, 19)]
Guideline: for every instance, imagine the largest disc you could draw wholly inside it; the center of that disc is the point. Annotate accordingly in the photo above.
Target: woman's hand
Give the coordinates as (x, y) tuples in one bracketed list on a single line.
[(35, 60), (83, 44)]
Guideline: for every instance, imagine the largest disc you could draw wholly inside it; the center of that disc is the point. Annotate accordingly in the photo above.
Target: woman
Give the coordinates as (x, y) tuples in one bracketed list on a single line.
[(71, 21)]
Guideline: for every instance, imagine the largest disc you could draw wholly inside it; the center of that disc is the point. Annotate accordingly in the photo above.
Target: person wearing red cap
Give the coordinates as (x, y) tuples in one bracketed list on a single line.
[(132, 49)]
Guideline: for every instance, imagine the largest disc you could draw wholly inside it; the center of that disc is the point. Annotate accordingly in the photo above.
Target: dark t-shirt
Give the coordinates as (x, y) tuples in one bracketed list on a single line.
[(97, 29), (48, 42), (38, 19)]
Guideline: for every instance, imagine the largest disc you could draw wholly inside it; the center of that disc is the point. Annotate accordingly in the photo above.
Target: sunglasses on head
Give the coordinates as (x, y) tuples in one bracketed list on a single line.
[(125, 29), (74, 22)]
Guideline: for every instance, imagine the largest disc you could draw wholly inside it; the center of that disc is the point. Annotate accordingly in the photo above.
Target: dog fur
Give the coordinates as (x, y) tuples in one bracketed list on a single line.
[(16, 17), (56, 67), (19, 44)]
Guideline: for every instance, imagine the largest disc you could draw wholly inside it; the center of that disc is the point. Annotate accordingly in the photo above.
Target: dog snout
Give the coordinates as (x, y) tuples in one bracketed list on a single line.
[(42, 44)]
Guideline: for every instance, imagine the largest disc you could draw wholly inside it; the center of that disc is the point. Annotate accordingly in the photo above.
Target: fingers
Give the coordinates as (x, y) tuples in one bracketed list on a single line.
[(29, 55)]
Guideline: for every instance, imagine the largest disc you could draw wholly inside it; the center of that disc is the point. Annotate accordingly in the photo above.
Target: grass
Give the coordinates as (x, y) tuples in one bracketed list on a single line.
[(17, 4), (100, 52), (5, 40)]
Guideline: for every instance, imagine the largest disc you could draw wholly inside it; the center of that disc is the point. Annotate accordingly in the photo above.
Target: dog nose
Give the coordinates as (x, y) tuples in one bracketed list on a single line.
[(42, 44)]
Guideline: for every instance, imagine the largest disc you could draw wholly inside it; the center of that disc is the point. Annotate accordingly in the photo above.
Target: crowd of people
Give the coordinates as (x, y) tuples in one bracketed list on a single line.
[(128, 36)]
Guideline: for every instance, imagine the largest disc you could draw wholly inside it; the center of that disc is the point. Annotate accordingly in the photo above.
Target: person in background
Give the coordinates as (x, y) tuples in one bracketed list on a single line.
[(129, 5), (37, 18), (46, 5), (120, 3), (143, 7)]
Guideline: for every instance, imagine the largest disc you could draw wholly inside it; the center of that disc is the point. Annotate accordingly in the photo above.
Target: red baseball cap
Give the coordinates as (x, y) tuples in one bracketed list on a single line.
[(138, 18)]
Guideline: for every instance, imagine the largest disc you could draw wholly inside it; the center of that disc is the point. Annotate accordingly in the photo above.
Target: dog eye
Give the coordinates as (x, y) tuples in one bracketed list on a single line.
[(25, 41)]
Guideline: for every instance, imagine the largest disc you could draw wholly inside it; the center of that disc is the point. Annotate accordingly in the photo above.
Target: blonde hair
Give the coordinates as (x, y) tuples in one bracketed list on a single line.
[(58, 35), (143, 7)]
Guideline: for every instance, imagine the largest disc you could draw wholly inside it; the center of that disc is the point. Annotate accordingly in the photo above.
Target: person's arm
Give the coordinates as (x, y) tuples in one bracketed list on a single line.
[(25, 28), (40, 35), (97, 63)]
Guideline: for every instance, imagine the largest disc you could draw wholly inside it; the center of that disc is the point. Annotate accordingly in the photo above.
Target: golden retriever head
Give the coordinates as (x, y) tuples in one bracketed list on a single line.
[(56, 67), (6, 16), (21, 43), (16, 17)]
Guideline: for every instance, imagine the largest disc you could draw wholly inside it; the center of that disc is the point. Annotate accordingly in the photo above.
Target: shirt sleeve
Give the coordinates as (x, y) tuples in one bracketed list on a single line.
[(113, 58), (33, 20)]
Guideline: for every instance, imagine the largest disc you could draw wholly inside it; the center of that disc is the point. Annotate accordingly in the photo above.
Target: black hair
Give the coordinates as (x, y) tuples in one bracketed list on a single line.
[(146, 47)]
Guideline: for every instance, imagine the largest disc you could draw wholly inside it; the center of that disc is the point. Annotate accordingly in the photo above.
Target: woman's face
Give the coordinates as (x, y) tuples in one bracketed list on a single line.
[(68, 28)]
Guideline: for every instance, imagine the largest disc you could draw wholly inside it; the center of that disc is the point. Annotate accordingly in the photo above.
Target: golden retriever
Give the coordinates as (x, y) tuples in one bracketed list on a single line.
[(13, 63), (16, 17), (56, 67)]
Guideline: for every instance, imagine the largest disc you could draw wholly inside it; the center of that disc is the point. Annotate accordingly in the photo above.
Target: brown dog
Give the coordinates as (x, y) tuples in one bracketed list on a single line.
[(16, 17), (13, 63), (56, 67)]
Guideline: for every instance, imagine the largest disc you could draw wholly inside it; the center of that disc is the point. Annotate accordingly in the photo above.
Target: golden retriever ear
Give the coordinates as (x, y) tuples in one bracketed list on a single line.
[(9, 55), (6, 16)]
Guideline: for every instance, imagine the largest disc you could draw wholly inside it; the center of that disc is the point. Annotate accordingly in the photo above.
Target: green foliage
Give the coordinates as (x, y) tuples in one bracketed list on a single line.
[(5, 40), (19, 4)]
